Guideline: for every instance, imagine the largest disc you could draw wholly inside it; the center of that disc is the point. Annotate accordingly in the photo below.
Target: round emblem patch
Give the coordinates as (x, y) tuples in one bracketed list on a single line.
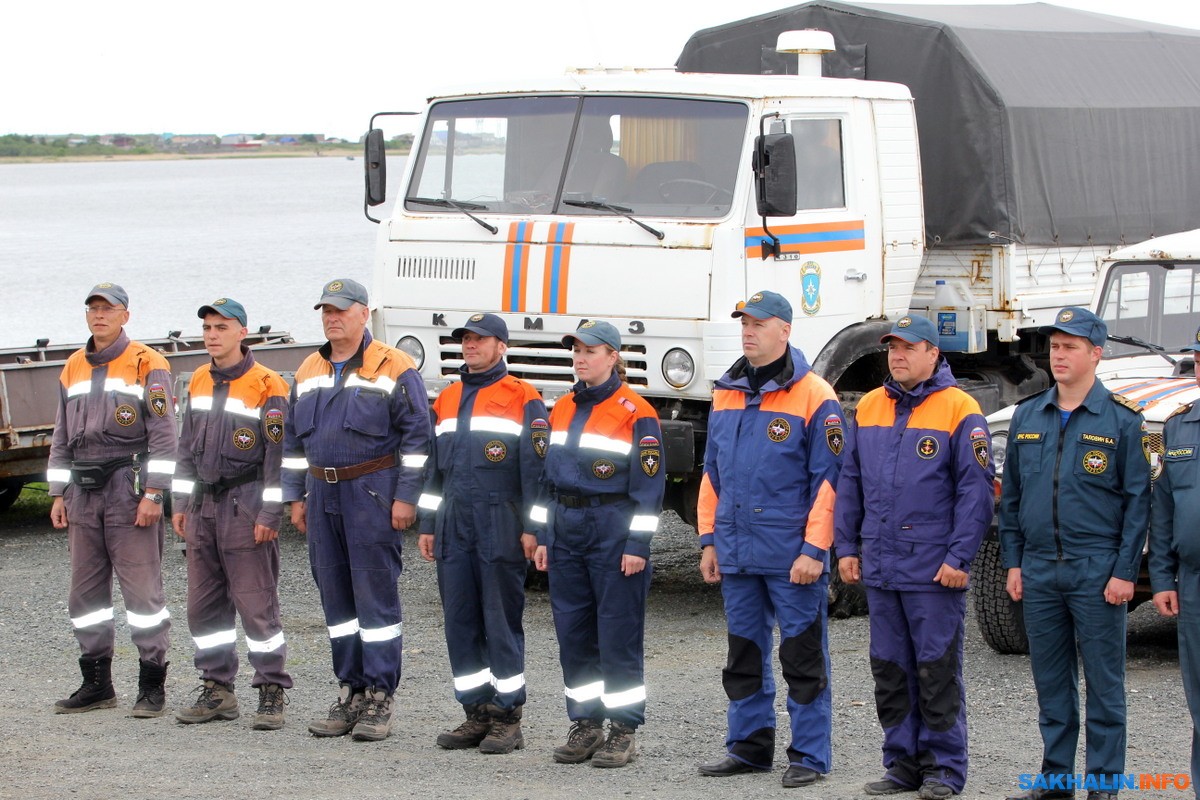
[(336, 286), (105, 285), (1066, 315), (1095, 462), (125, 415), (927, 447), (591, 323), (495, 451), (476, 318), (778, 429), (243, 438), (904, 322), (756, 298), (604, 469), (220, 302)]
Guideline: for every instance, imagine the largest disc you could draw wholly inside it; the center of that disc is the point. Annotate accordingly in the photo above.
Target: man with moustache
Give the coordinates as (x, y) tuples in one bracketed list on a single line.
[(356, 441), (228, 506), (111, 458)]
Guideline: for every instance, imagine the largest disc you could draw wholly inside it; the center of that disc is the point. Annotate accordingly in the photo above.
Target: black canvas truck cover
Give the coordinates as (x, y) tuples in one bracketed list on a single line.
[(1044, 124)]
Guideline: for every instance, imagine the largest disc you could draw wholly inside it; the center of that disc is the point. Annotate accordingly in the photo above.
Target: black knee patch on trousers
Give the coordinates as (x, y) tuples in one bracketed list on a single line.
[(742, 675), (941, 696), (891, 692), (803, 662)]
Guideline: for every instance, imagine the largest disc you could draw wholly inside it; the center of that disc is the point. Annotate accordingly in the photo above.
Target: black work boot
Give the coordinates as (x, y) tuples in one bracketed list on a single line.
[(96, 691), (470, 733), (505, 735), (584, 739), (152, 690)]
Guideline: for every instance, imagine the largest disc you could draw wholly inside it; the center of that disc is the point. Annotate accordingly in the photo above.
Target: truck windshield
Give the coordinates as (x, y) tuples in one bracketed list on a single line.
[(1156, 302), (661, 157)]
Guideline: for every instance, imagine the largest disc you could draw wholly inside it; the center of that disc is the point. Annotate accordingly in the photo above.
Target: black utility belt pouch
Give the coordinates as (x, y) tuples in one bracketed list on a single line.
[(93, 475)]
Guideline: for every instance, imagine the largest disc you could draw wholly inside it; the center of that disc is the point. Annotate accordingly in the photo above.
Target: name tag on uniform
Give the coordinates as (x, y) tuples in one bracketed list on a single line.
[(1180, 453), (1029, 437), (1095, 438)]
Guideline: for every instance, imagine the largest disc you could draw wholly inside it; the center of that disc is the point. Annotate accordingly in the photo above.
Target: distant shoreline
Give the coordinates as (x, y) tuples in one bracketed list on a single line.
[(308, 152)]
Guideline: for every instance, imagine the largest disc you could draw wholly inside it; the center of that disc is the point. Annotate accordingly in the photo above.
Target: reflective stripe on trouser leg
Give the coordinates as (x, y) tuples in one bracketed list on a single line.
[(574, 610), (210, 611), (90, 603)]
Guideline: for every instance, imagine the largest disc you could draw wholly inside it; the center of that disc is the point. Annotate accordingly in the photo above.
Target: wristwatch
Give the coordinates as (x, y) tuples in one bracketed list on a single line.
[(156, 497)]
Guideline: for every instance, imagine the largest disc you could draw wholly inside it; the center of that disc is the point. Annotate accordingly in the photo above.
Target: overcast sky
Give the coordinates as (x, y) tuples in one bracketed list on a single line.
[(307, 67)]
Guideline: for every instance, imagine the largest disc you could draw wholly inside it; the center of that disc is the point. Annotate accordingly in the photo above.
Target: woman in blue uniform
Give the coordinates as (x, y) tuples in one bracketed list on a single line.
[(602, 494)]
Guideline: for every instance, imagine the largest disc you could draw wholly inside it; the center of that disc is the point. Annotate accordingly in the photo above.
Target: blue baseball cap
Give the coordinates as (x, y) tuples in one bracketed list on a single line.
[(764, 305), (1194, 347), (342, 294), (110, 292), (913, 329), (1077, 321), (484, 325), (227, 307), (594, 332)]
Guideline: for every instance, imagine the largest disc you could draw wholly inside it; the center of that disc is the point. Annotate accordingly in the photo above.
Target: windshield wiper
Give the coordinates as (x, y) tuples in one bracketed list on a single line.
[(465, 208), (621, 210), (1133, 341)]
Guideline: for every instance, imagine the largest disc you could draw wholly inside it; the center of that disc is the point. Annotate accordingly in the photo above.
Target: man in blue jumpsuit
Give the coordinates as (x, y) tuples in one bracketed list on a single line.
[(355, 445), (914, 500), (775, 439), (1175, 544), (1073, 515), (491, 435)]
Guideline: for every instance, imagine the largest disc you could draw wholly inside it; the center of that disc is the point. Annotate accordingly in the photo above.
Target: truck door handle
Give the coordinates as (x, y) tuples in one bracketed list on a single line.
[(855, 275)]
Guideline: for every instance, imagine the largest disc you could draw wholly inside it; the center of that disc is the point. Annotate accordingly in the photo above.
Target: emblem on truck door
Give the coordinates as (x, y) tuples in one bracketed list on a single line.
[(810, 285)]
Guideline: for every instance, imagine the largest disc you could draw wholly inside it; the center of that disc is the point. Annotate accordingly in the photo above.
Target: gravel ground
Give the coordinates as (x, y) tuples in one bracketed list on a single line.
[(105, 754)]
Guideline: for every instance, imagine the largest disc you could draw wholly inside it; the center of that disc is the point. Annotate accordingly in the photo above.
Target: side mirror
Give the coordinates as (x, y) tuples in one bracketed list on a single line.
[(375, 165), (775, 174)]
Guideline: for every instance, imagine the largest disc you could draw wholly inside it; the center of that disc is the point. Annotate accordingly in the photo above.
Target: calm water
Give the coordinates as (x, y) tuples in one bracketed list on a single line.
[(177, 234)]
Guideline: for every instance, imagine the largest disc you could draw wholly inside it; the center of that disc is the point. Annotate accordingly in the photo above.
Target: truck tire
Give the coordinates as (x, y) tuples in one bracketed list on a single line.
[(10, 490), (1001, 621)]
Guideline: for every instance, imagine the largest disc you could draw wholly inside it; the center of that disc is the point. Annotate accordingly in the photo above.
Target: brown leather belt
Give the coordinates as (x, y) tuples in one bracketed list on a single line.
[(337, 474)]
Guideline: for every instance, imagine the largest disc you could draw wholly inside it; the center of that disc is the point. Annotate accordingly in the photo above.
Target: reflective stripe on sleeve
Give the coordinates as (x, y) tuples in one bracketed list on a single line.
[(58, 475), (136, 620), (414, 462), (93, 618), (643, 523), (429, 502), (466, 683), (385, 634), (273, 495), (267, 646), (584, 693), (625, 698), (215, 639), (295, 462), (161, 466), (539, 514), (180, 486), (343, 629)]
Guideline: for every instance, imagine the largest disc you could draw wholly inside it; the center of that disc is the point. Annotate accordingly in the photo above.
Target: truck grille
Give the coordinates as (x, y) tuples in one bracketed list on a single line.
[(544, 364), (438, 269)]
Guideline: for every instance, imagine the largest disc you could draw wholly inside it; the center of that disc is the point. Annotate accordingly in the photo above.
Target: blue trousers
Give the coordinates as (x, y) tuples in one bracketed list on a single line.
[(753, 606), (355, 559), (599, 615), (916, 658), (1188, 581), (1066, 617), (481, 577)]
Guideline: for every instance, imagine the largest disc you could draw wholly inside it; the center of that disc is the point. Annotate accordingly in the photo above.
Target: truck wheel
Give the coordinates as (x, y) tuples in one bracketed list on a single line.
[(1001, 621), (10, 490), (845, 599)]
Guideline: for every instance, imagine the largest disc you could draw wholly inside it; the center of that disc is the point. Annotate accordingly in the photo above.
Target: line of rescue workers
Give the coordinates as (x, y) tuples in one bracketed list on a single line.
[(902, 492)]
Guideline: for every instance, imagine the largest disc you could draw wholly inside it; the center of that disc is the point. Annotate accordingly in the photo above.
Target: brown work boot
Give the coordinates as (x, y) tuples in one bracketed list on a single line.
[(470, 733), (344, 712), (152, 690), (271, 700), (96, 691), (586, 737), (214, 700), (505, 735), (619, 749), (375, 723)]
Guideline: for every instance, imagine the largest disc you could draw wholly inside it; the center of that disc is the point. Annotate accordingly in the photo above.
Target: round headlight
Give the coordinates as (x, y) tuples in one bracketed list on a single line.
[(411, 345), (678, 368), (999, 451)]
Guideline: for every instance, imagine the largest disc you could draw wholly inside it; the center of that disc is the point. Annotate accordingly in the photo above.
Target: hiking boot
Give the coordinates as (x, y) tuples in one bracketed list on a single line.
[(344, 712), (214, 700), (375, 722), (619, 749), (505, 735), (152, 690), (271, 700), (885, 785), (934, 790), (96, 691), (585, 738), (470, 733)]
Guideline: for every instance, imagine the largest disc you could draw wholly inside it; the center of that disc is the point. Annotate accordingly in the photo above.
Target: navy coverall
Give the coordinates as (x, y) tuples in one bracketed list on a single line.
[(915, 492), (491, 435), (1074, 509), (602, 494)]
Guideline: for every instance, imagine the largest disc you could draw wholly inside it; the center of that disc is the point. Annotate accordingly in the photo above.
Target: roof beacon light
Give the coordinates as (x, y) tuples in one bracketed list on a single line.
[(808, 45)]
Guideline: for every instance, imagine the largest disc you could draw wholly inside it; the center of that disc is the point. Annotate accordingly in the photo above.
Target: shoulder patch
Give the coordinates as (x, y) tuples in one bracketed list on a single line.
[(1122, 400), (1183, 409)]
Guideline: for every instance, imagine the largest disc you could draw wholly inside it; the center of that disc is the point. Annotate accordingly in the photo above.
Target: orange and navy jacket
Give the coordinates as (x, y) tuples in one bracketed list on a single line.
[(916, 486), (490, 436), (605, 440), (377, 408), (233, 423), (770, 467), (114, 403)]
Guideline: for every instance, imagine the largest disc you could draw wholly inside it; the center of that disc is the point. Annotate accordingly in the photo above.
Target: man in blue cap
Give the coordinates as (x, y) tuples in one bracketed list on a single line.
[(1175, 547), (228, 506), (1073, 515), (490, 436), (775, 439), (914, 500)]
